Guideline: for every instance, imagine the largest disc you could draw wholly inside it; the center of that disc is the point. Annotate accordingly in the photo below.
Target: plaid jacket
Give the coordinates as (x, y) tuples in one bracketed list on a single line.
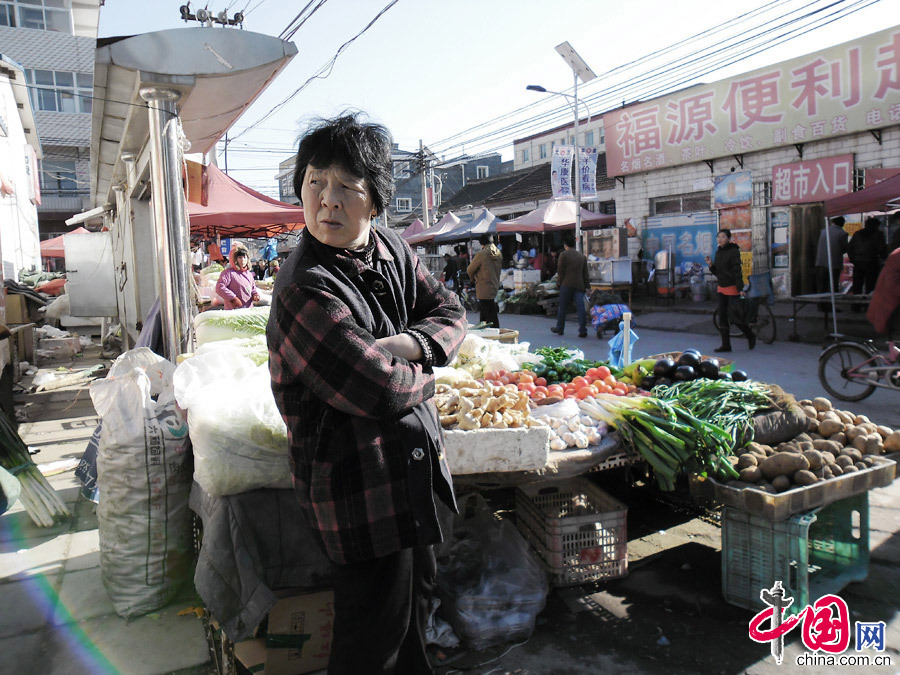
[(366, 445)]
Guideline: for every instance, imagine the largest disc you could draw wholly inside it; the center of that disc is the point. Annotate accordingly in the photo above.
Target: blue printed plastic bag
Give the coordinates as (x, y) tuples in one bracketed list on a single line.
[(617, 357)]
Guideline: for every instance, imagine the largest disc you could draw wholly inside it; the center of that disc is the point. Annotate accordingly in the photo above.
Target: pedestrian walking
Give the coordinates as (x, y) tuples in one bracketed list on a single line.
[(866, 251), (835, 232), (729, 291), (485, 270), (356, 324), (572, 278)]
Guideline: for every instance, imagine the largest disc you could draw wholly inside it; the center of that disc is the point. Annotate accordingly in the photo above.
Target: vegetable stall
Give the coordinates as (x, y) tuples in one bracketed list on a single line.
[(535, 420)]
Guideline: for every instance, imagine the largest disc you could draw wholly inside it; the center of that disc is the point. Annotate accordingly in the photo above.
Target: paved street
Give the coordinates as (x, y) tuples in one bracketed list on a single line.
[(666, 616)]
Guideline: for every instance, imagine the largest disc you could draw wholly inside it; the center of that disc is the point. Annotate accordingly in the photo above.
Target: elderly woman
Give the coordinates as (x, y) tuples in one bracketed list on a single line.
[(356, 324)]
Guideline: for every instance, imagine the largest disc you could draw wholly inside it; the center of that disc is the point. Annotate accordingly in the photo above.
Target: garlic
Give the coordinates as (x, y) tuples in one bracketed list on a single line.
[(573, 423), (557, 443), (569, 438), (581, 440), (587, 421)]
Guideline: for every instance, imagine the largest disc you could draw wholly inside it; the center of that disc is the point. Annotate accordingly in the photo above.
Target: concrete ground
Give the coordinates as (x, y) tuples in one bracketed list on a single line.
[(667, 615)]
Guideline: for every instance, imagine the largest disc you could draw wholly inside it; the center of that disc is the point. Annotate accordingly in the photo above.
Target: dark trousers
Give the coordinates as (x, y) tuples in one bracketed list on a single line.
[(865, 274), (489, 312), (566, 295), (728, 314), (380, 610)]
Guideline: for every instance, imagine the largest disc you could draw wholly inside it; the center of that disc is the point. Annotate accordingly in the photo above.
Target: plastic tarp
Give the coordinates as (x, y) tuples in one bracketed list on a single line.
[(445, 224), (555, 214), (56, 248), (883, 196), (482, 221), (415, 227), (234, 210)]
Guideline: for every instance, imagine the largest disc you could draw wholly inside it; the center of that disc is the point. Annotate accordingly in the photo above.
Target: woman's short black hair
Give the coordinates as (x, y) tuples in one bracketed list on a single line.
[(360, 148), (726, 232)]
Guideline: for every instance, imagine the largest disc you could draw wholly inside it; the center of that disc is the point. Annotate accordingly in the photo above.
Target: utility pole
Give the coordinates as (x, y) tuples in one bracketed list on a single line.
[(424, 173), (226, 153)]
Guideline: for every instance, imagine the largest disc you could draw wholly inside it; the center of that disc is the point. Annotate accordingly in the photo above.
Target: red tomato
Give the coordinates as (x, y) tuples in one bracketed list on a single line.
[(503, 379), (610, 380), (526, 387), (583, 393), (491, 375), (540, 389), (620, 391), (540, 381), (591, 372), (579, 382), (525, 376), (602, 372), (555, 390), (537, 395)]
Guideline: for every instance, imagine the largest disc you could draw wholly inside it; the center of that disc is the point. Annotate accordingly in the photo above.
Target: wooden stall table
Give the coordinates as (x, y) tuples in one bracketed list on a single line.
[(841, 300)]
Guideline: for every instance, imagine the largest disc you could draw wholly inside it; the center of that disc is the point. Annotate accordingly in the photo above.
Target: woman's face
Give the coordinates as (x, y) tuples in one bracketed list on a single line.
[(337, 206), (721, 239)]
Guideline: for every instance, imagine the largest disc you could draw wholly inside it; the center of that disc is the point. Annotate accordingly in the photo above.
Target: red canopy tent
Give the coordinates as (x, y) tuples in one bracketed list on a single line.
[(234, 210), (415, 227), (55, 248), (555, 214), (883, 196)]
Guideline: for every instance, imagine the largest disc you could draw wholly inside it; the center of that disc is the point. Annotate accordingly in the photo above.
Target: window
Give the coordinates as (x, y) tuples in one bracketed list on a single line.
[(401, 169), (60, 91), (58, 177), (286, 186), (484, 171), (602, 135), (50, 15), (403, 204), (762, 193), (687, 203), (542, 150), (526, 156), (589, 138)]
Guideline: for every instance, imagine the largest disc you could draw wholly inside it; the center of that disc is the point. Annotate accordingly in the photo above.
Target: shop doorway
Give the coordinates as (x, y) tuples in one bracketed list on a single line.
[(807, 221)]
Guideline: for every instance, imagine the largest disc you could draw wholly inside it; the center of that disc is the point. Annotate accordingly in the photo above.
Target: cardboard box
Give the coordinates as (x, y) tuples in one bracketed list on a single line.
[(23, 339), (17, 309), (298, 639)]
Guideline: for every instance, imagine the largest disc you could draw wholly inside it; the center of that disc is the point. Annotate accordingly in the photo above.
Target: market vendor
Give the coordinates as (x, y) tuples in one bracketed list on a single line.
[(356, 324), (236, 285)]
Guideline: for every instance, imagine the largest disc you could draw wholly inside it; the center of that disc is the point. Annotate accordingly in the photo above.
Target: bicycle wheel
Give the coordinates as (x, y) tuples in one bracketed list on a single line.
[(765, 325), (834, 365), (733, 330)]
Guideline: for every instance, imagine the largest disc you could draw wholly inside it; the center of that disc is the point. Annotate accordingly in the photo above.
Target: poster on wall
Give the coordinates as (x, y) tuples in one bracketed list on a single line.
[(735, 219), (691, 236), (732, 189), (744, 240), (780, 226)]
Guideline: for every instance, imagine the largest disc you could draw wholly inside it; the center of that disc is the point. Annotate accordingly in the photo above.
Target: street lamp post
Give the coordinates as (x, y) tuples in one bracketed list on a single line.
[(582, 70)]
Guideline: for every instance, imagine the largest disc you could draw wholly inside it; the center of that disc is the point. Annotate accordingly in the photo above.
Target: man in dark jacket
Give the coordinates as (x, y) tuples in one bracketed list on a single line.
[(835, 232), (727, 268), (866, 250), (572, 278)]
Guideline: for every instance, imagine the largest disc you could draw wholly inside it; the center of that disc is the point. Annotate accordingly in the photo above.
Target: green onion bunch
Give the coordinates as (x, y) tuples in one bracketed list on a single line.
[(666, 435), (38, 497)]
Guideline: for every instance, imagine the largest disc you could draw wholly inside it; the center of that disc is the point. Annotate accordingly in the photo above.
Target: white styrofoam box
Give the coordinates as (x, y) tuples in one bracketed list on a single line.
[(497, 450), (523, 279), (621, 271)]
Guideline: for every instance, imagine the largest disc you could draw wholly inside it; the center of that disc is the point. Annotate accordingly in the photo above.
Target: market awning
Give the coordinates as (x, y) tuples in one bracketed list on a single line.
[(555, 214), (482, 219), (55, 247), (415, 227), (234, 210), (445, 224), (883, 196)]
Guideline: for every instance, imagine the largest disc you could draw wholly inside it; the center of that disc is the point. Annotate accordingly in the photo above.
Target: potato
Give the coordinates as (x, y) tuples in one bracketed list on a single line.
[(783, 464), (844, 461), (805, 445), (826, 446), (853, 453), (805, 401), (860, 419), (840, 438), (869, 427), (769, 451), (884, 431), (812, 425), (868, 460), (788, 446), (827, 472), (836, 470), (827, 457), (809, 411), (852, 431), (860, 442), (816, 437), (815, 459), (733, 460), (861, 465), (850, 469), (874, 445), (844, 417), (751, 474), (746, 460), (781, 483), (821, 404), (820, 472), (800, 438), (892, 442), (830, 427), (767, 486), (805, 478), (755, 448)]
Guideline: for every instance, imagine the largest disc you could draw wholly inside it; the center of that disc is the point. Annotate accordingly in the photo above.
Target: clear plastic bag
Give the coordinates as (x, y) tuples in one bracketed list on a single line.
[(239, 437), (490, 584)]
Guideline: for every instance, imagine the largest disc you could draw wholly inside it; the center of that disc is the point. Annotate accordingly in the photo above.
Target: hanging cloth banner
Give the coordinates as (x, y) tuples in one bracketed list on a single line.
[(587, 172), (561, 171)]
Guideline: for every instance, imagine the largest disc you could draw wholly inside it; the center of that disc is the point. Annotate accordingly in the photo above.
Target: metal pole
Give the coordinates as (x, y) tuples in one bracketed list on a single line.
[(179, 236), (578, 245), (830, 276), (161, 108), (424, 185)]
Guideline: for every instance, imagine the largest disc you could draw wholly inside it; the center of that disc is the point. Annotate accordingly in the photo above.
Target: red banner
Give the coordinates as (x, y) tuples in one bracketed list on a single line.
[(814, 180)]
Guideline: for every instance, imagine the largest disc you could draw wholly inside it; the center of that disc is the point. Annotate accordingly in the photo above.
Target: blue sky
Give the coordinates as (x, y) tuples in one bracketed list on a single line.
[(429, 69)]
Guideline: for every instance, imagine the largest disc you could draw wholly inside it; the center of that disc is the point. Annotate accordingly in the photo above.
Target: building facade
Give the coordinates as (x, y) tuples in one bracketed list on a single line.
[(54, 41)]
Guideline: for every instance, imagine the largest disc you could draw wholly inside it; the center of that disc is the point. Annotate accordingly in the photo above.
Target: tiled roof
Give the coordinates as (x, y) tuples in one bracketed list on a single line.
[(480, 192)]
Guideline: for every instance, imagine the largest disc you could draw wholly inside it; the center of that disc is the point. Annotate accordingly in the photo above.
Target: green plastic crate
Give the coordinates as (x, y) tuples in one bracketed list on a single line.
[(812, 554)]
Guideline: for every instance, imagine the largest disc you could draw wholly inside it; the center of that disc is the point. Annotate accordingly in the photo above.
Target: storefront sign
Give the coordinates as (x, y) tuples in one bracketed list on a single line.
[(814, 180), (840, 90), (561, 171), (691, 236)]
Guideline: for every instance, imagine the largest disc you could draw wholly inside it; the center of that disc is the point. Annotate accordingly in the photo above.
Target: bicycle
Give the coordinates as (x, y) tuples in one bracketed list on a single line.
[(465, 293), (763, 327), (851, 370)]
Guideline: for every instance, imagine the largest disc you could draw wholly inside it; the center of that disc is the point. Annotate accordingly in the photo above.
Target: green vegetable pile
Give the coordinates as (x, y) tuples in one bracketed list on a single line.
[(726, 404), (558, 366)]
